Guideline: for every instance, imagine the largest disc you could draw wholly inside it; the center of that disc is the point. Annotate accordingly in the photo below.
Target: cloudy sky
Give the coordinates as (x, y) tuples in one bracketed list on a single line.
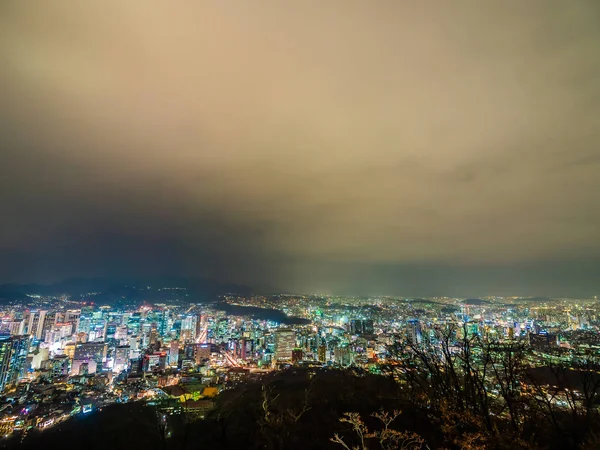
[(405, 147)]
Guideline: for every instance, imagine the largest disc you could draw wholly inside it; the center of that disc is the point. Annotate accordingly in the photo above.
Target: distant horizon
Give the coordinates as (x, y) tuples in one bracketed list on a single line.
[(122, 282)]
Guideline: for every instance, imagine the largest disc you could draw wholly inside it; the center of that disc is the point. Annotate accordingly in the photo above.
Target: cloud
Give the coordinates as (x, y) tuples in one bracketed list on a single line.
[(253, 140)]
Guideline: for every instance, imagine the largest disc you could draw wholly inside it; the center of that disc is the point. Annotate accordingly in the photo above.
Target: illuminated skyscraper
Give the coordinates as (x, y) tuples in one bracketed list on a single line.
[(188, 328), (322, 353), (59, 366), (343, 356), (15, 327), (13, 356), (110, 330), (174, 353), (134, 322), (201, 352), (285, 342), (121, 334), (361, 326), (121, 358), (36, 322), (413, 332), (46, 325)]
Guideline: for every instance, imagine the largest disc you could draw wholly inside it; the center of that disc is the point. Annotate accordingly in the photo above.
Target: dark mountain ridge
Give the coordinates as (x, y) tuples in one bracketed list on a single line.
[(194, 289)]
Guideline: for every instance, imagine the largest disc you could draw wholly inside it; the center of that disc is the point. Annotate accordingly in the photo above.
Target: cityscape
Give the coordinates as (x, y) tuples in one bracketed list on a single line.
[(64, 356), (300, 225)]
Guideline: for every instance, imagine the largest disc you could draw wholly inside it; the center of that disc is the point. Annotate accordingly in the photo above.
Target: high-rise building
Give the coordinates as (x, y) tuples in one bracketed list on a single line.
[(188, 328), (368, 327), (110, 331), (285, 342), (13, 357), (322, 353), (49, 321), (358, 326), (121, 334), (413, 332), (121, 358), (59, 366), (155, 361), (35, 326), (14, 327), (154, 337), (163, 322), (72, 315), (39, 357), (174, 353), (95, 351), (69, 349), (134, 322), (84, 325), (202, 352), (343, 356)]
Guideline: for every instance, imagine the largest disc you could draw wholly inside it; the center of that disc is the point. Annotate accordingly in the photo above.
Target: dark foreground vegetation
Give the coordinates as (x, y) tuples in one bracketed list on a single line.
[(470, 395)]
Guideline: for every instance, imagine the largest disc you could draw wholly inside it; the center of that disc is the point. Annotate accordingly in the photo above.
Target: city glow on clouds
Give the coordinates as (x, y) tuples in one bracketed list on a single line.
[(299, 132)]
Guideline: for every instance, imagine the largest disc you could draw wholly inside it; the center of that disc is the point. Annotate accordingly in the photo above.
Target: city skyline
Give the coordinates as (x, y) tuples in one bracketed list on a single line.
[(75, 360), (272, 225)]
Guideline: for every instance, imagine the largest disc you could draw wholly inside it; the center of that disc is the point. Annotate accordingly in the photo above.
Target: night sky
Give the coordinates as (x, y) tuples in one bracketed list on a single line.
[(402, 147)]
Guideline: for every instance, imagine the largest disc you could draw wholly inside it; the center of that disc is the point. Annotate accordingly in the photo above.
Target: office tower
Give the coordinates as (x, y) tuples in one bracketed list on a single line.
[(15, 327), (59, 366), (174, 353), (36, 322), (38, 358), (81, 367), (55, 320), (188, 328), (69, 349), (110, 331), (134, 322), (322, 353), (145, 334), (13, 358), (155, 361), (343, 356), (163, 322), (95, 351), (121, 334), (358, 326), (84, 325), (413, 332), (74, 321), (285, 342), (201, 352), (134, 343), (49, 321), (153, 339), (72, 315), (121, 358), (246, 348)]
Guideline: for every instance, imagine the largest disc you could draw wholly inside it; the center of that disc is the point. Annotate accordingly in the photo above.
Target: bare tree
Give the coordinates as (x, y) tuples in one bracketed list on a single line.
[(385, 437)]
